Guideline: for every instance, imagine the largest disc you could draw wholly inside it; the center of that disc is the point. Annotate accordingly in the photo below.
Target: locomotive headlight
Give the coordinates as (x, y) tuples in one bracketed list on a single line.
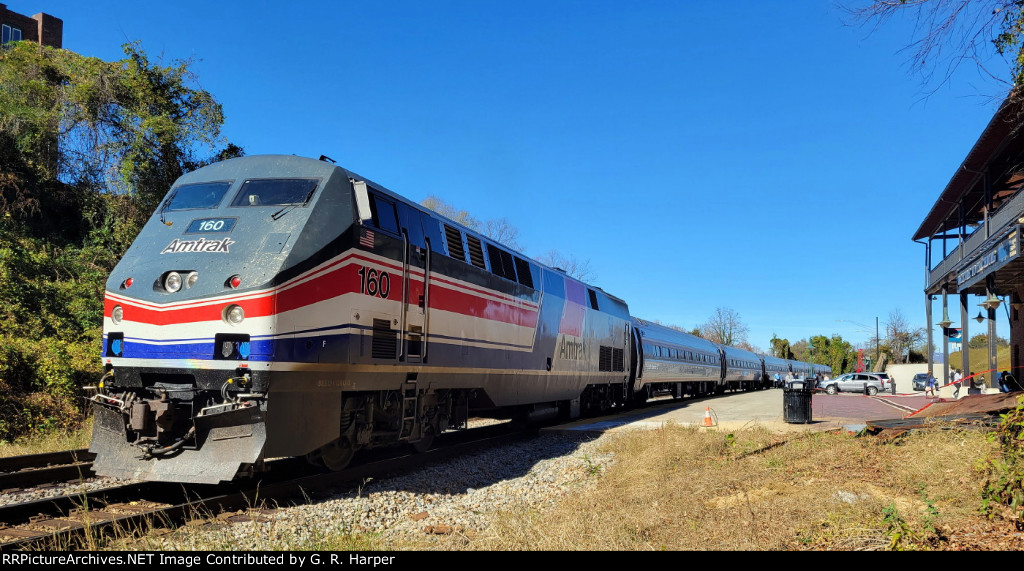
[(234, 314), (117, 314), (172, 282), (192, 278)]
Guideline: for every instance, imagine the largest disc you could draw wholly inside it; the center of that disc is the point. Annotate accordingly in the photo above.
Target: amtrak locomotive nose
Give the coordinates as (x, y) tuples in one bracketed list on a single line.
[(190, 327)]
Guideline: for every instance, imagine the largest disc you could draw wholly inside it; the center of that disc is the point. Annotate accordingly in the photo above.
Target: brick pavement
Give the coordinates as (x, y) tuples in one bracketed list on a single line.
[(846, 407)]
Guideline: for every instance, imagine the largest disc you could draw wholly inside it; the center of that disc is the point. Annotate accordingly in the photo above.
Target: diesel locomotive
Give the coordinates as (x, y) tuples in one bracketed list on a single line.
[(279, 306)]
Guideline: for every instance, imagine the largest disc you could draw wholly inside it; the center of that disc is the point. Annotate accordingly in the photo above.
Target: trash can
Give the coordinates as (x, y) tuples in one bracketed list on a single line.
[(796, 402)]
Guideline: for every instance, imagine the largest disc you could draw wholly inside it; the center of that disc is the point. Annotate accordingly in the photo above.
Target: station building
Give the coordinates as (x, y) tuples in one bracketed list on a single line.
[(972, 237), (41, 28)]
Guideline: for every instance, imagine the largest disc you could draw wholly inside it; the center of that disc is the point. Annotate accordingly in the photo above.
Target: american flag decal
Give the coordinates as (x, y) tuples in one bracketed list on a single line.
[(367, 238)]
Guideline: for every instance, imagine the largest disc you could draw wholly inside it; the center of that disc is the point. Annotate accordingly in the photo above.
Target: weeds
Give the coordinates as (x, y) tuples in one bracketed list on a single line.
[(49, 441), (1002, 491), (902, 535)]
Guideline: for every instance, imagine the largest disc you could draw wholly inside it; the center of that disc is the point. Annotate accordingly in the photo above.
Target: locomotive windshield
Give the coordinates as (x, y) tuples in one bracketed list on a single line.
[(275, 192), (198, 196)]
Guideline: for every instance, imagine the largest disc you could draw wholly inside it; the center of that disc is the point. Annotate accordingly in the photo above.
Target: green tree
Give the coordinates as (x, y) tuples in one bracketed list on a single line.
[(980, 341), (129, 126), (87, 150), (833, 351), (780, 348)]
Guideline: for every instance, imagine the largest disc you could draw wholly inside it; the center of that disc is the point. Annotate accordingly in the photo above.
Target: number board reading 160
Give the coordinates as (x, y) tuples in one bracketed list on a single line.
[(211, 225)]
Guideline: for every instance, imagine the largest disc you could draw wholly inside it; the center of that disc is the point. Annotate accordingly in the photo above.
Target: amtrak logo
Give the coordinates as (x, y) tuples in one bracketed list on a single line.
[(571, 348), (200, 245)]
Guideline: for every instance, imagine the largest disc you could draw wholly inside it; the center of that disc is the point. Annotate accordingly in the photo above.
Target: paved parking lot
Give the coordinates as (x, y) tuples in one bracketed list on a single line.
[(737, 410)]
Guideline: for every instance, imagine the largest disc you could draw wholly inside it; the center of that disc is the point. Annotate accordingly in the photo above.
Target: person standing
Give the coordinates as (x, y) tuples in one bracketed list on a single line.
[(931, 385)]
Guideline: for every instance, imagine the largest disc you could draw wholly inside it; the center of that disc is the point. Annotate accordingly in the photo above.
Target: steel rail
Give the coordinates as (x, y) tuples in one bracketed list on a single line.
[(67, 521)]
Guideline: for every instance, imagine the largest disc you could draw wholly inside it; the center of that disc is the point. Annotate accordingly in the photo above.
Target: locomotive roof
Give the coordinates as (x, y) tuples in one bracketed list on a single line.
[(294, 165)]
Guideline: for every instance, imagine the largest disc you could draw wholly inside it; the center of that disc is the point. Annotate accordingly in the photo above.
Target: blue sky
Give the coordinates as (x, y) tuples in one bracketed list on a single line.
[(767, 157)]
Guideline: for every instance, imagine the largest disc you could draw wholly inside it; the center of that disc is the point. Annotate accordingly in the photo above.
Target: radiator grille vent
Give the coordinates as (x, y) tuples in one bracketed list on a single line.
[(476, 251), (385, 340), (455, 248), (611, 359)]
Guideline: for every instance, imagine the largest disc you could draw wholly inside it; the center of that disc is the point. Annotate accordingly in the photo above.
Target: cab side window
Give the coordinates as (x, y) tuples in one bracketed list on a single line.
[(383, 210)]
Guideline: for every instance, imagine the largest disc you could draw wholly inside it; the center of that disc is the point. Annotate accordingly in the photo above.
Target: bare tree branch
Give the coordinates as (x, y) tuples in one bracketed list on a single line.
[(725, 327), (949, 33), (579, 269)]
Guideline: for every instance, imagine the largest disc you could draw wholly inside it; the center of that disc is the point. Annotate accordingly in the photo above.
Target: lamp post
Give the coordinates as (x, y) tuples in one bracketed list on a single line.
[(878, 355), (810, 356), (944, 324)]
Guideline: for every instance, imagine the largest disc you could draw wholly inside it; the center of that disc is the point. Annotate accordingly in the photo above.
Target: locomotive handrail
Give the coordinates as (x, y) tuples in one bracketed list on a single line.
[(405, 294), (426, 304)]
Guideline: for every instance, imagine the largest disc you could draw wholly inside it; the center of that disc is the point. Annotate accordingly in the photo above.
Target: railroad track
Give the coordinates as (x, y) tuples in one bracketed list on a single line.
[(19, 472), (72, 521)]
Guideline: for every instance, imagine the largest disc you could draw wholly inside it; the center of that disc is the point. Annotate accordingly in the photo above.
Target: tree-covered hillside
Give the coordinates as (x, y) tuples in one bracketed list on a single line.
[(87, 150)]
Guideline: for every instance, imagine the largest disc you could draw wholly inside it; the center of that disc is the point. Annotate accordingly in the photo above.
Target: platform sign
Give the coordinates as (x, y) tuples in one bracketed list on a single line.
[(953, 333), (995, 257)]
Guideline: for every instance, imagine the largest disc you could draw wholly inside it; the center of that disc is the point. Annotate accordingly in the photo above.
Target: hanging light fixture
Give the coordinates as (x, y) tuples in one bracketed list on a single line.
[(946, 321), (980, 317), (991, 302)]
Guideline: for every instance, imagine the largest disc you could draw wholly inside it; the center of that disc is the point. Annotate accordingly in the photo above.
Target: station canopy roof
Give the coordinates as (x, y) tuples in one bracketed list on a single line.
[(998, 151)]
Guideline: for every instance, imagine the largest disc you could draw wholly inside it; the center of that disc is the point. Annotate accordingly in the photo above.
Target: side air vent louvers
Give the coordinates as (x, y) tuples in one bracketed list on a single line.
[(604, 362), (476, 252), (618, 360), (455, 248), (385, 340)]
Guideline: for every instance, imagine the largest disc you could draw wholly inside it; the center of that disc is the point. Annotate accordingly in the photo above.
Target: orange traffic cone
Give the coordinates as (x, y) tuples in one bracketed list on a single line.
[(707, 417)]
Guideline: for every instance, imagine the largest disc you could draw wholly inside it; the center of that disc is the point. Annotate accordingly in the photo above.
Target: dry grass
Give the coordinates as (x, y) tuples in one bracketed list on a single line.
[(51, 441), (687, 489), (681, 488)]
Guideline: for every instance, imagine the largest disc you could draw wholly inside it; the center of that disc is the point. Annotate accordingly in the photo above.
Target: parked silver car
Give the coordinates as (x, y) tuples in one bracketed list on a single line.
[(854, 383), (886, 379)]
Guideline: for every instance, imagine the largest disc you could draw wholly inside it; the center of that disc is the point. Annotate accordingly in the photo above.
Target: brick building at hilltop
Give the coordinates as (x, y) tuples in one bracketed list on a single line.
[(41, 28)]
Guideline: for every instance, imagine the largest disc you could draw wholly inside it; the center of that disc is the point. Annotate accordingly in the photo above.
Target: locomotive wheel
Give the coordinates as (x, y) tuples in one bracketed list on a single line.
[(429, 431), (334, 456)]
